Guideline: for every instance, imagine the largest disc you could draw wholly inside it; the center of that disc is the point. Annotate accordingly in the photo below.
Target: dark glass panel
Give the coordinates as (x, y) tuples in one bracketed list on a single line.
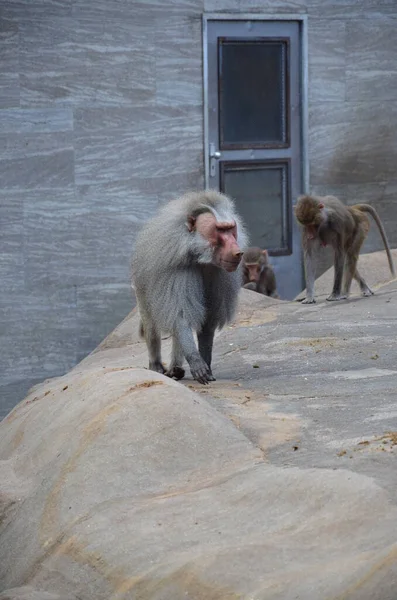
[(260, 192), (253, 93)]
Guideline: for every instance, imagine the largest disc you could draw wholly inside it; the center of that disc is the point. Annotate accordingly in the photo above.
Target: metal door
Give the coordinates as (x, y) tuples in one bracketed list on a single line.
[(252, 83)]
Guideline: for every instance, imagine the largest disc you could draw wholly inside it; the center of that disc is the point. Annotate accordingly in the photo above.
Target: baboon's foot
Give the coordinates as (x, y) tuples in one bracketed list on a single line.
[(211, 377), (366, 292), (176, 373), (336, 297), (156, 366), (308, 301)]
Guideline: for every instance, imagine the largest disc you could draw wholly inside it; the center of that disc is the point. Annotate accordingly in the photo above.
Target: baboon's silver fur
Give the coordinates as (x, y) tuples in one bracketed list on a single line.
[(172, 272)]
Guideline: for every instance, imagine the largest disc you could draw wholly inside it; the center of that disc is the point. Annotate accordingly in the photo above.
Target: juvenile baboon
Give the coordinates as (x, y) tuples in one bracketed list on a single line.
[(326, 221), (186, 277), (258, 274)]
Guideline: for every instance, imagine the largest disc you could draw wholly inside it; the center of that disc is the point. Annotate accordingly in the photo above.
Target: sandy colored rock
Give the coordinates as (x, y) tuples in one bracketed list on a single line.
[(28, 593), (118, 483)]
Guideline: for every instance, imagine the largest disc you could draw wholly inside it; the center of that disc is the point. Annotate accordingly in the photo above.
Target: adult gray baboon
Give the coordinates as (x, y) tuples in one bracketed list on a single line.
[(326, 221), (186, 277)]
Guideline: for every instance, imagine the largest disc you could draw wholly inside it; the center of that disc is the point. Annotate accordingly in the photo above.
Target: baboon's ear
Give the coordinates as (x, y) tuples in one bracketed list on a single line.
[(191, 223), (264, 252)]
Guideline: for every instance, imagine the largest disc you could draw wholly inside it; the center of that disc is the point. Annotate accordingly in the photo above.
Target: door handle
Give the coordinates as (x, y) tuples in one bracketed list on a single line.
[(214, 156), (214, 153)]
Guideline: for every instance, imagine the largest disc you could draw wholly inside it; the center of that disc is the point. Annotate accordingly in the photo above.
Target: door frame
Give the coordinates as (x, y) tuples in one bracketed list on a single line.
[(304, 79)]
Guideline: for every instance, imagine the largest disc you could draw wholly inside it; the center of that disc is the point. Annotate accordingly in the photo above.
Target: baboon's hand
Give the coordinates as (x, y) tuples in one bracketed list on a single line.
[(308, 300), (201, 372)]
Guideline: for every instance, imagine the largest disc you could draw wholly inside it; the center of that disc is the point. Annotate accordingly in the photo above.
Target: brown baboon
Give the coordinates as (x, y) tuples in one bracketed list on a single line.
[(258, 274), (326, 221), (186, 277)]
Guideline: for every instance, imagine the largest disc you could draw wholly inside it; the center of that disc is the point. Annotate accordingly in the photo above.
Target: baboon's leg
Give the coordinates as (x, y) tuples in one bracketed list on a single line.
[(365, 290), (205, 342), (199, 368), (351, 265), (175, 369), (350, 271), (339, 262), (153, 342), (309, 254)]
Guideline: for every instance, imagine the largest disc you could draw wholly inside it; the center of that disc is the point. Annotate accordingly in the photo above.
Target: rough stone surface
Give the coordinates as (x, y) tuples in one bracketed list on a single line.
[(278, 481)]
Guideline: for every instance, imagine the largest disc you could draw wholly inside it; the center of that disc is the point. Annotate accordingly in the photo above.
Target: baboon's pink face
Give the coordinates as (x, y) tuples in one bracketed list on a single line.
[(223, 238)]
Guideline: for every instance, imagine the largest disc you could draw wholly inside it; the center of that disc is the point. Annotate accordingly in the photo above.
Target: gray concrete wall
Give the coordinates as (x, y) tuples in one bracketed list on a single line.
[(101, 120)]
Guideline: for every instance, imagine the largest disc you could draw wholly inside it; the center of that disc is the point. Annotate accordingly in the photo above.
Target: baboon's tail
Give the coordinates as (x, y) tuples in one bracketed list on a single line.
[(370, 209), (141, 329)]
